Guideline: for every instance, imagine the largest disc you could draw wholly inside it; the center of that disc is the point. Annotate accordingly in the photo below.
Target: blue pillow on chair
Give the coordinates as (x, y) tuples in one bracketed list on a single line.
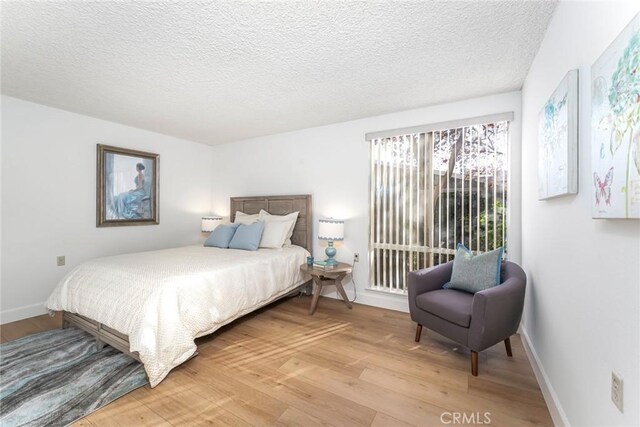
[(221, 236), (247, 236), (475, 273)]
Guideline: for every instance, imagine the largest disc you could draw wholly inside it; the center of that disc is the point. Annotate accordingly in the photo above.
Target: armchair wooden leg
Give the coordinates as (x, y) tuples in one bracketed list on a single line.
[(418, 332), (507, 344), (474, 363)]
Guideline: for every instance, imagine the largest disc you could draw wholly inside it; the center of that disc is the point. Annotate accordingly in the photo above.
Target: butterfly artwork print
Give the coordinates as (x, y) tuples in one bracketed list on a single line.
[(603, 189), (615, 126)]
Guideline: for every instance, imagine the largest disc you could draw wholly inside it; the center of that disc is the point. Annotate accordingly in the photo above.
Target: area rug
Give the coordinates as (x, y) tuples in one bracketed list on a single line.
[(57, 377)]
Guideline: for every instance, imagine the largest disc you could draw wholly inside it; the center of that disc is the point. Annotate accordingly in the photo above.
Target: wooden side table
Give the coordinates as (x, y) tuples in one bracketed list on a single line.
[(322, 278)]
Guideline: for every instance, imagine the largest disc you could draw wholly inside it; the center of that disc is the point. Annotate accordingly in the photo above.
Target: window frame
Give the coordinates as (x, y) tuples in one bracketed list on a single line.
[(424, 131)]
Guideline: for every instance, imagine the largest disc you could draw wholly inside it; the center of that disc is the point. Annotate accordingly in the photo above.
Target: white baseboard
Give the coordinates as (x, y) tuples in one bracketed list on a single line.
[(383, 300), (372, 298), (14, 314), (550, 397)]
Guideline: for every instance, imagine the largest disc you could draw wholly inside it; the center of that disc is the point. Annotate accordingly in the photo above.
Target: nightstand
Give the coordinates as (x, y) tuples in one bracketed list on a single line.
[(329, 277)]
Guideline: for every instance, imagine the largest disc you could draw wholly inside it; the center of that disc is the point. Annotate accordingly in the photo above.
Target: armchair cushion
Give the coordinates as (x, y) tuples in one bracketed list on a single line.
[(475, 273), (448, 304)]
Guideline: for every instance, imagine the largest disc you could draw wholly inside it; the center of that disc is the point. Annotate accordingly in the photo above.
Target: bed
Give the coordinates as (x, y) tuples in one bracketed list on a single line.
[(152, 305)]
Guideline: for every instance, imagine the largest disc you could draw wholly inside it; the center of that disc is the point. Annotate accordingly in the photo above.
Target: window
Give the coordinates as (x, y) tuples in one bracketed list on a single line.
[(434, 187)]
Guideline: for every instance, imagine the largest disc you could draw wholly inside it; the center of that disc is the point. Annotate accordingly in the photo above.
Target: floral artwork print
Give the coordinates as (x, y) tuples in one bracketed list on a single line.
[(558, 133), (615, 127)]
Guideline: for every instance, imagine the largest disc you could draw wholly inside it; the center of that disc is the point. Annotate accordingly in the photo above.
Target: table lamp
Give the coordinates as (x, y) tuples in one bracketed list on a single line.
[(331, 230), (209, 223)]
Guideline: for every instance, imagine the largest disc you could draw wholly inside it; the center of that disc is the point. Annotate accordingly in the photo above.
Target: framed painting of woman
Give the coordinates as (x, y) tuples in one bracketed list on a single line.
[(127, 187)]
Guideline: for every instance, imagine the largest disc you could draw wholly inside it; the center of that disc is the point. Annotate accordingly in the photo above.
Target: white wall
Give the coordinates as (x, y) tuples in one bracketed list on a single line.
[(332, 164), (49, 193), (582, 305)]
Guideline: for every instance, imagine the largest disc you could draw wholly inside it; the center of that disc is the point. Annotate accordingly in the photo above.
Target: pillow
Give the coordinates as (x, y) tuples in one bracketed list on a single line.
[(292, 218), (247, 236), (475, 273), (243, 218), (275, 234), (221, 236)]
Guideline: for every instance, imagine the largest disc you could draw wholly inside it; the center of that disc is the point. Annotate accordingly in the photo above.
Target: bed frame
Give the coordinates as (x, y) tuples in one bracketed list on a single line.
[(276, 205)]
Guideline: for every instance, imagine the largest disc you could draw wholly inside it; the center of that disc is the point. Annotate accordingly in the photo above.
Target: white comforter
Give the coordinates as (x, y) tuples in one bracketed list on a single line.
[(164, 299)]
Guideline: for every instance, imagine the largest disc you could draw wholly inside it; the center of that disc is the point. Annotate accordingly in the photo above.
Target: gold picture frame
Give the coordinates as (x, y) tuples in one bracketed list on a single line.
[(127, 187)]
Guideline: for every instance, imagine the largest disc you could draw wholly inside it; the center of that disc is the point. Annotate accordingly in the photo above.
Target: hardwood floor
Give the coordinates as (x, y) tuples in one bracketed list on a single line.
[(280, 366)]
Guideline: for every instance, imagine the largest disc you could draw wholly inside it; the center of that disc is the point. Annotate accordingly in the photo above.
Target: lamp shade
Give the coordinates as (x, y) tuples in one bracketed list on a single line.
[(209, 223), (331, 229)]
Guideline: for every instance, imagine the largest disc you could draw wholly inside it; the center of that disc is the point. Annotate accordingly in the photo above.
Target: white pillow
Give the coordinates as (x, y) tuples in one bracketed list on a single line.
[(243, 218), (290, 219), (274, 234)]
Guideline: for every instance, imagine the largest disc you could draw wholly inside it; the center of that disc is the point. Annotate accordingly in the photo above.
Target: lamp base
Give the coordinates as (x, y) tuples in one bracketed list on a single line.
[(331, 252)]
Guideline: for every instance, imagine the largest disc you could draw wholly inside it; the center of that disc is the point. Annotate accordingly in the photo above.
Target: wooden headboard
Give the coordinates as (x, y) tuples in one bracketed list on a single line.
[(281, 205)]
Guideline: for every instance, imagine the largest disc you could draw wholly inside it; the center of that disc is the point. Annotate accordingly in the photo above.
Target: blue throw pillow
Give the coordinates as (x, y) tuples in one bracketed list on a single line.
[(475, 273), (247, 236), (221, 236)]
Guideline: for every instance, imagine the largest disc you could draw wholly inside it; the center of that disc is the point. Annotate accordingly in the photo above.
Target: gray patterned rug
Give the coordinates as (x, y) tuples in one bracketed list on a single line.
[(56, 377)]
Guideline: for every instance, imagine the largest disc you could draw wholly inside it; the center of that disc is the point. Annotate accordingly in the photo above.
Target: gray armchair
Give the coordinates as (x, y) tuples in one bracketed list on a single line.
[(477, 321)]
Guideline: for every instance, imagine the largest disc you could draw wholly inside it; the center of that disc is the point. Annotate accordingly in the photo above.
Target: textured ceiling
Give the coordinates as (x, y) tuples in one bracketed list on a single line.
[(224, 71)]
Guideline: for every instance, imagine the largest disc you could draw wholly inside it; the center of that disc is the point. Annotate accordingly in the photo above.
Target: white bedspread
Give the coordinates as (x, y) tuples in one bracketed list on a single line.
[(164, 299)]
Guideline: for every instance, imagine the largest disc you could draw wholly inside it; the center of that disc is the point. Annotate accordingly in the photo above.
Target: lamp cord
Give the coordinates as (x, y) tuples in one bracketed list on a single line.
[(355, 287), (355, 290)]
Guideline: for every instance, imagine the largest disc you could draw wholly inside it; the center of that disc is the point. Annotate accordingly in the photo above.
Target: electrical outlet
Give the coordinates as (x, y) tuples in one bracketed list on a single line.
[(617, 388), (356, 257), (60, 260)]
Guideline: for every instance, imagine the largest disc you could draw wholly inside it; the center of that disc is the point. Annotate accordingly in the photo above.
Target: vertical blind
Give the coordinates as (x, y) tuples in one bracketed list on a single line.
[(431, 190)]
